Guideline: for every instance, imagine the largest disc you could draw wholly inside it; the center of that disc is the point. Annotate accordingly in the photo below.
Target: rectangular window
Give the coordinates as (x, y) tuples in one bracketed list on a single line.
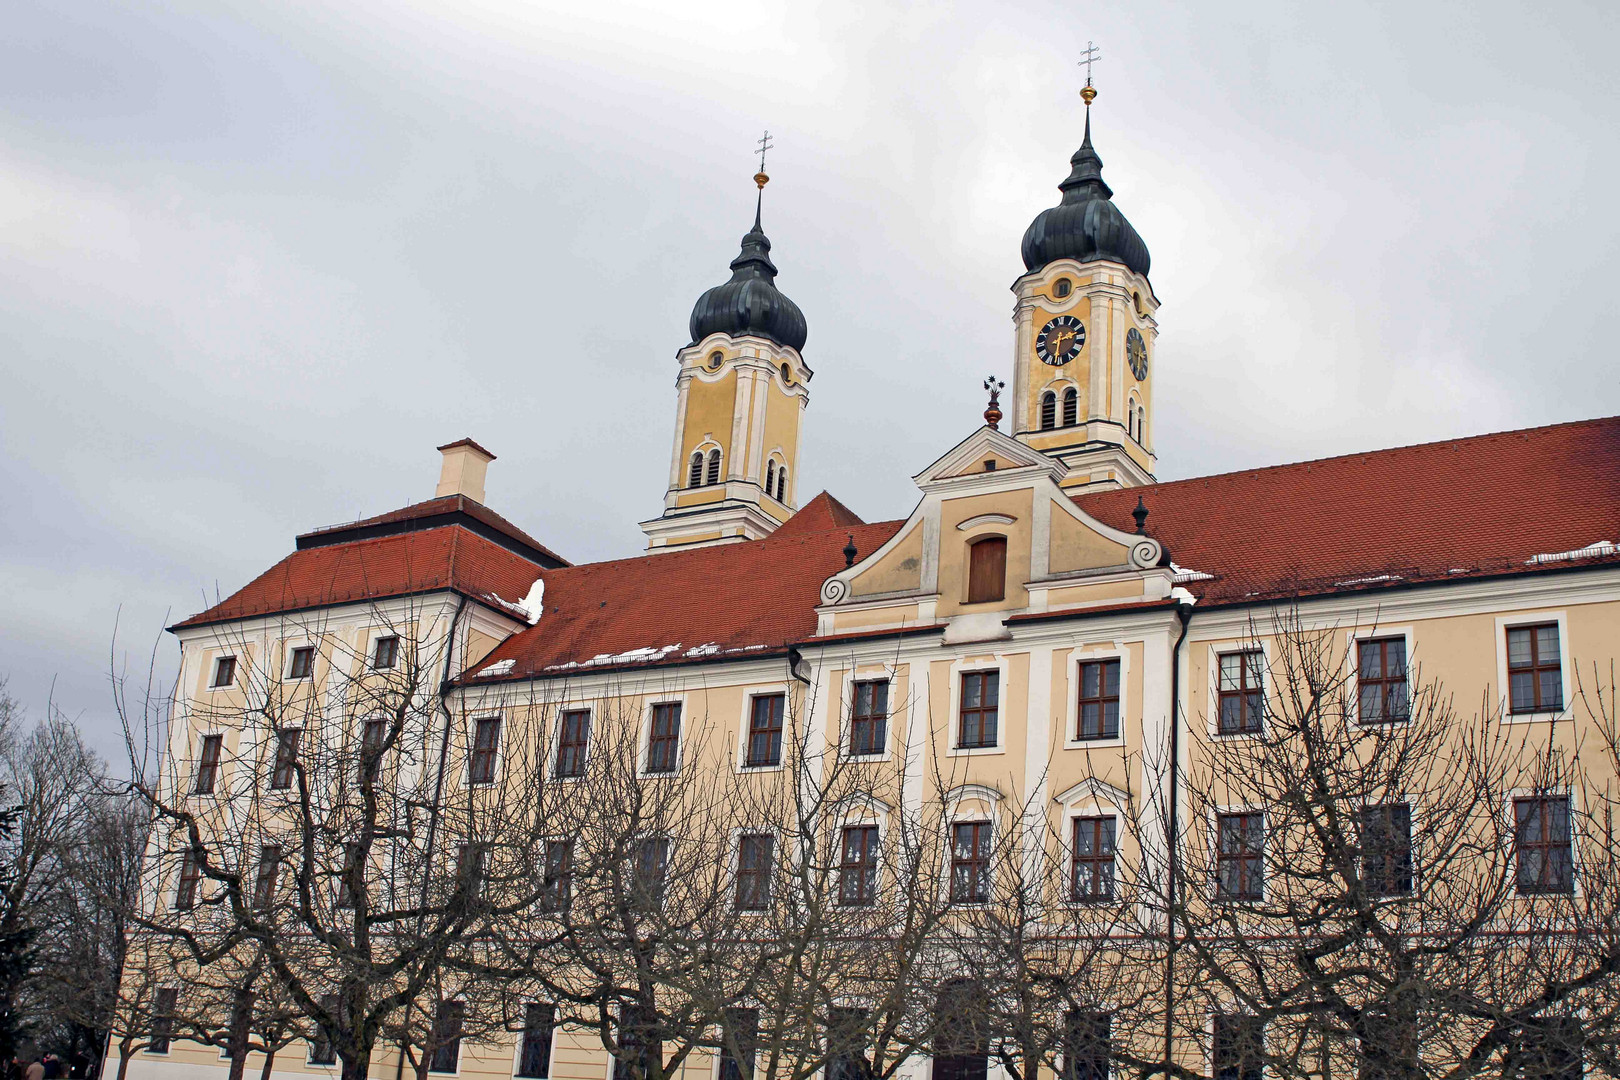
[(224, 672), (1093, 860), (539, 1022), (970, 862), (558, 887), (857, 869), (281, 776), (347, 874), (208, 763), (1240, 693), (185, 893), (981, 700), (1240, 1043), (869, 718), (650, 870), (641, 1042), (486, 742), (446, 1056), (1386, 849), (1099, 700), (572, 738), (755, 854), (664, 738), (987, 570), (1535, 669), (321, 1049), (264, 884), (373, 740), (847, 1044), (1381, 681), (472, 867), (385, 653), (1542, 842), (961, 1033), (740, 1038), (1087, 1044), (765, 729), (301, 665), (165, 1007), (1238, 856)]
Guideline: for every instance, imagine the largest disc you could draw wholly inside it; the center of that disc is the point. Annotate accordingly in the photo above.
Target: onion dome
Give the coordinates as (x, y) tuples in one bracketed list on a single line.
[(750, 303), (1086, 225)]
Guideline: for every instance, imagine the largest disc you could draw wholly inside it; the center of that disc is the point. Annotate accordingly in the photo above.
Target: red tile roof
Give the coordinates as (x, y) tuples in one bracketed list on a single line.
[(448, 557), (444, 508), (1462, 508), (820, 514), (728, 601)]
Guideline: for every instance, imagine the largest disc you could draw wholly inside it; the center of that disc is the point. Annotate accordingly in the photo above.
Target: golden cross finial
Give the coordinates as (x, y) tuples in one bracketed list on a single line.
[(764, 144), (1087, 58)]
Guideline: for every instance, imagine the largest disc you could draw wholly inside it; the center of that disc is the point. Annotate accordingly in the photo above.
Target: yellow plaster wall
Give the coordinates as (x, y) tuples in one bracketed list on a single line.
[(709, 409), (1076, 546), (1078, 369), (898, 571), (953, 544), (1090, 594), (782, 414)]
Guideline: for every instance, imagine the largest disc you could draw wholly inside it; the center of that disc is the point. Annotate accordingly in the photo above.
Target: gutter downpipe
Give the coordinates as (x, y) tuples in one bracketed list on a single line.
[(1184, 611), (438, 787)]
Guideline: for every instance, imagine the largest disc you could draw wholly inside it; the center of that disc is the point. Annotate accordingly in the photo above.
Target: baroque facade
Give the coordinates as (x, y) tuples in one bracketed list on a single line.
[(1052, 644)]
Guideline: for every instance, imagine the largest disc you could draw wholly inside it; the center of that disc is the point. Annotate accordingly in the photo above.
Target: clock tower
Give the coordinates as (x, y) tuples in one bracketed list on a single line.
[(1085, 325), (740, 395)]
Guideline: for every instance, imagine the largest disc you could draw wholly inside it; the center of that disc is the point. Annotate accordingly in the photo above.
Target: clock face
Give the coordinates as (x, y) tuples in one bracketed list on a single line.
[(1136, 353), (1060, 340)]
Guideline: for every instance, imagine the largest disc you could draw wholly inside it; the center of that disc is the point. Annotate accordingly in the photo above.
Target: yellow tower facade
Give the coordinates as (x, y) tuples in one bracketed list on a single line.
[(741, 393), (1085, 331)]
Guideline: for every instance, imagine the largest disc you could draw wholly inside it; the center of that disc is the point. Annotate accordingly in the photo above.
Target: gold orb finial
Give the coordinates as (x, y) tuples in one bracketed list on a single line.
[(1089, 94), (761, 179)]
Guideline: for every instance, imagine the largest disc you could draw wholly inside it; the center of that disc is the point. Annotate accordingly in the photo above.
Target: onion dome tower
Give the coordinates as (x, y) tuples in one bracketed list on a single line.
[(1085, 327), (741, 392)]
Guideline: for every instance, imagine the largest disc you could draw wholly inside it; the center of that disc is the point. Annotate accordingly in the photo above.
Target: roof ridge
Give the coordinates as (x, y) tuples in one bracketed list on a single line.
[(1458, 440)]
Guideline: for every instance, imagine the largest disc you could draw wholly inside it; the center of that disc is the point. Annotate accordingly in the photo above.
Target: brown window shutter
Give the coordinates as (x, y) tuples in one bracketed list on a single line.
[(987, 569)]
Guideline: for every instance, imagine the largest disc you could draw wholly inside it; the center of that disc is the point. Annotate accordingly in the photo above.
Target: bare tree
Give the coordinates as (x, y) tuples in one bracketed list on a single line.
[(321, 817)]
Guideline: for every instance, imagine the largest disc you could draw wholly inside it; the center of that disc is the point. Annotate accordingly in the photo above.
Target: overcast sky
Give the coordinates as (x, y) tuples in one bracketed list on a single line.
[(257, 260)]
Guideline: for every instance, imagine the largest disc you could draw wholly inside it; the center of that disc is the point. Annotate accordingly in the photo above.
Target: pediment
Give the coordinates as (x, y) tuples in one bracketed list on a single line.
[(969, 458), (1092, 790)]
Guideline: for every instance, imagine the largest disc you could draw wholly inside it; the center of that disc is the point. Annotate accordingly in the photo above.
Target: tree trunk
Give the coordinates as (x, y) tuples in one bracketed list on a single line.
[(357, 1067), (269, 1064), (123, 1062)]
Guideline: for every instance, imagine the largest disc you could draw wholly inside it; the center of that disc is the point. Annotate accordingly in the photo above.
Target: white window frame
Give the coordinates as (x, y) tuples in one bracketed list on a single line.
[(1090, 798), (174, 1036), (1414, 808), (1212, 710), (1575, 809), (999, 662), (500, 748), (288, 649), (461, 1040), (201, 734), (862, 811), (554, 741), (644, 738), (213, 674), (747, 714), (551, 1053), (870, 673), (1504, 623), (376, 634), (1353, 658), (1114, 651), (737, 834), (991, 800), (1209, 1038), (1211, 887)]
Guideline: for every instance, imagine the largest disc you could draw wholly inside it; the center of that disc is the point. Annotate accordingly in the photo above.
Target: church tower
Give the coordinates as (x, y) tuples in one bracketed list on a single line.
[(1085, 331), (741, 393)]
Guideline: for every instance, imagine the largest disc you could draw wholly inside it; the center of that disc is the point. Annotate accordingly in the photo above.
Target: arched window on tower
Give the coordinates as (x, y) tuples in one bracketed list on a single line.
[(714, 467), (770, 477), (694, 473), (1048, 411), (1141, 425), (1071, 407), (1130, 419), (781, 484)]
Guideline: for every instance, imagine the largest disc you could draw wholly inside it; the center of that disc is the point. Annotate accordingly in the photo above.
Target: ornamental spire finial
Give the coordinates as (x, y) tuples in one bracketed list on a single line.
[(992, 414), (1087, 58)]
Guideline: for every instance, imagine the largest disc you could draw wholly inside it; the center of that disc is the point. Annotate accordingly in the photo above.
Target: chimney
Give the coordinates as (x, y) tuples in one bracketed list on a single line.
[(463, 471)]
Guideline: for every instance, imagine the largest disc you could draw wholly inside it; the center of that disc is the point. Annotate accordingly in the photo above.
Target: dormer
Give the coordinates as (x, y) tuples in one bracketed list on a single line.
[(993, 536)]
